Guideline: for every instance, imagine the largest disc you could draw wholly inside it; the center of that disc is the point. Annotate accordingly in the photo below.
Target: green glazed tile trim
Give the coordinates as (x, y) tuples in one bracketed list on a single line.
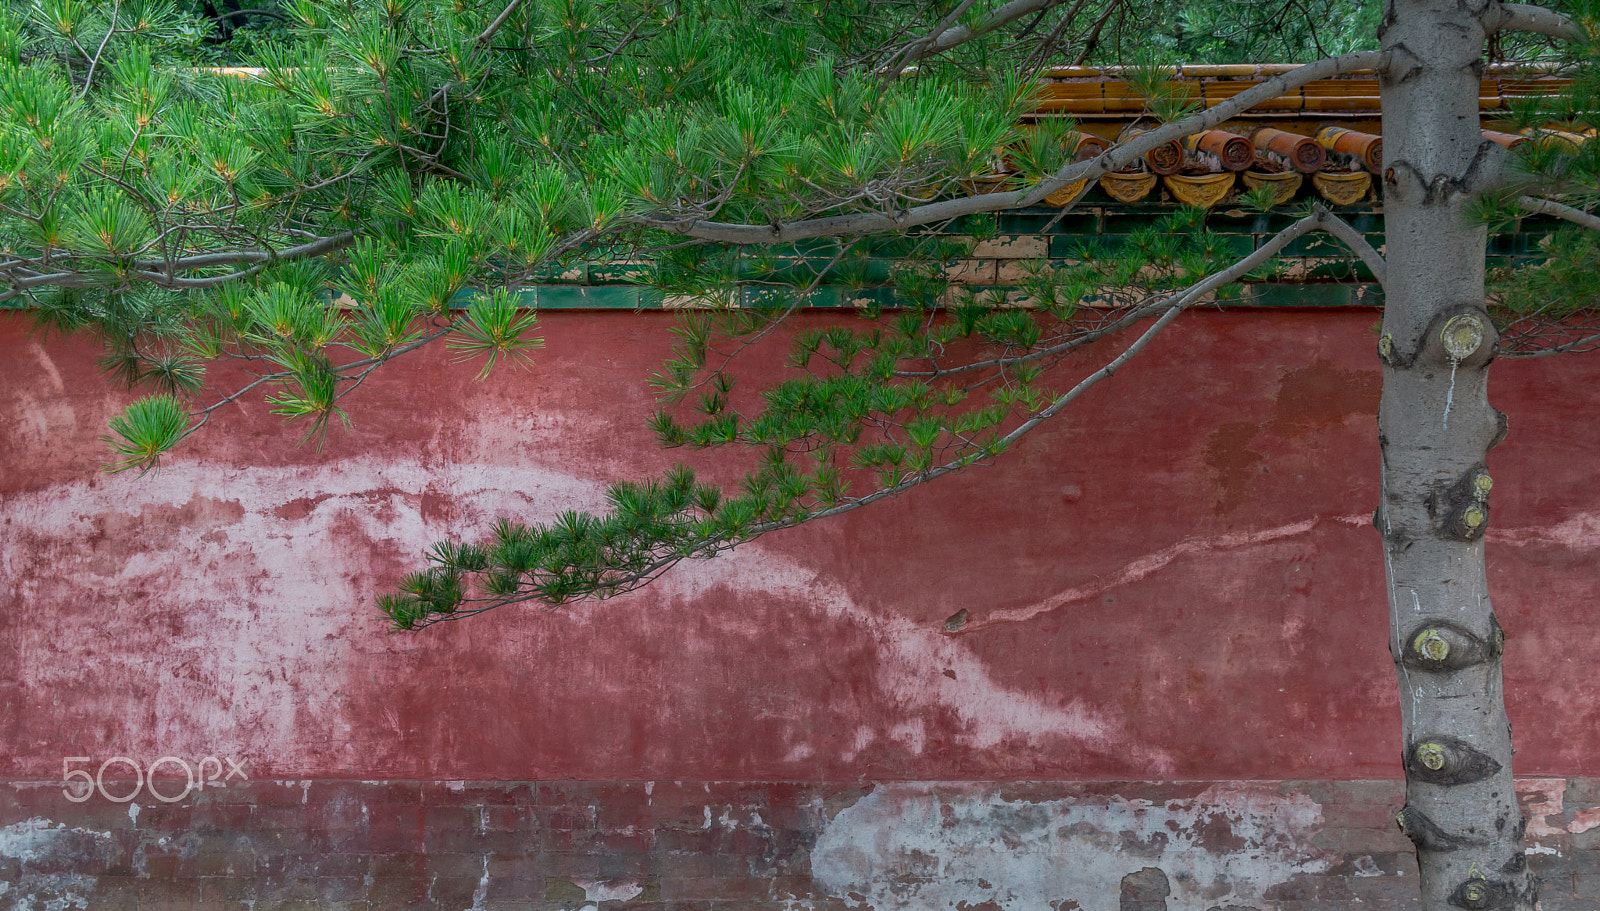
[(1322, 294), (603, 297), (461, 299), (1072, 247), (618, 274), (773, 298), (867, 297)]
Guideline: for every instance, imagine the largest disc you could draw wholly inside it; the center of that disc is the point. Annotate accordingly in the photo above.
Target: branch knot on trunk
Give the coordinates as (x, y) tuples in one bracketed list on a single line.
[(1479, 894), (1445, 760), (1460, 336), (1402, 177), (1460, 509), (1428, 836), (1447, 646)]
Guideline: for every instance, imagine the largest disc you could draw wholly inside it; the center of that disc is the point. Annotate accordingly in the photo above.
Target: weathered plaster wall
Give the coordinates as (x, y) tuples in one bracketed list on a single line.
[(710, 846), (1175, 583)]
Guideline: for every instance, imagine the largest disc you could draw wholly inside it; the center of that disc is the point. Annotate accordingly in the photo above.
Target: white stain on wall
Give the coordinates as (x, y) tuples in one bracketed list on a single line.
[(911, 661), (254, 575), (933, 845), (1578, 532), (609, 890), (254, 614)]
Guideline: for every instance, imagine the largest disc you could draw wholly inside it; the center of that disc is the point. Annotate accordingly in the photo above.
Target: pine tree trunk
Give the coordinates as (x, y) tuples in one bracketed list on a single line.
[(1436, 426)]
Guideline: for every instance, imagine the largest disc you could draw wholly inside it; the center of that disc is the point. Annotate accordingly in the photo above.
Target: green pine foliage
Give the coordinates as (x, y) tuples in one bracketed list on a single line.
[(868, 409), (417, 162), (1548, 307), (1259, 30), (331, 184), (147, 429)]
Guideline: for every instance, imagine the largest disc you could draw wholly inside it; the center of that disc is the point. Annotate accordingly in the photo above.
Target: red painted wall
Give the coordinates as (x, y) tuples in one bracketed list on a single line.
[(1174, 581)]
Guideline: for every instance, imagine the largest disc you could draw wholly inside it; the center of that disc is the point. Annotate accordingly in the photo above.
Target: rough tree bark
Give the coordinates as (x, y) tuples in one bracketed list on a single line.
[(1436, 426)]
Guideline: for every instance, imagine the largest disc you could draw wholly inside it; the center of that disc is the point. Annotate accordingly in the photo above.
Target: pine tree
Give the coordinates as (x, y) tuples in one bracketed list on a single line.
[(387, 174)]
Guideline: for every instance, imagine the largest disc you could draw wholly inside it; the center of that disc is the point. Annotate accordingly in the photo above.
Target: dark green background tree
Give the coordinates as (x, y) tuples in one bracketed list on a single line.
[(391, 172)]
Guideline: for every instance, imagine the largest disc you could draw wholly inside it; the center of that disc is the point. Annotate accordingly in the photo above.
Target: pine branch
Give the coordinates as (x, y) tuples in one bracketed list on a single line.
[(111, 29), (1353, 239), (1108, 161), (21, 277), (1047, 353), (928, 44), (487, 33), (1536, 206), (1524, 17), (1580, 345), (682, 528), (946, 36)]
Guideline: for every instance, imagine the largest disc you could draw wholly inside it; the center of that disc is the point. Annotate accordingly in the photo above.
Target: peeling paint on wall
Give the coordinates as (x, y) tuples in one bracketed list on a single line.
[(609, 891), (1544, 803), (757, 846), (50, 854), (909, 845)]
